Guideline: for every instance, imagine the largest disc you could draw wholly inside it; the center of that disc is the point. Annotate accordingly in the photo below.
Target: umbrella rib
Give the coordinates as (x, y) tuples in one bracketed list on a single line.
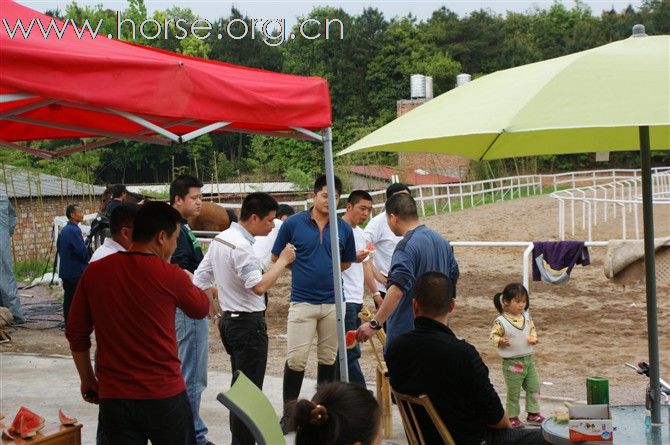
[(493, 142)]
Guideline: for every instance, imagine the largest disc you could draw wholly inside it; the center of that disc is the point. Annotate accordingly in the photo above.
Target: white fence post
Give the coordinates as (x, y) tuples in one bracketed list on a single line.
[(423, 205)]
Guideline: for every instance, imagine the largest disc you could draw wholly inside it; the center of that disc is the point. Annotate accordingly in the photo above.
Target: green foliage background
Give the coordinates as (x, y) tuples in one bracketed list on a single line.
[(368, 71)]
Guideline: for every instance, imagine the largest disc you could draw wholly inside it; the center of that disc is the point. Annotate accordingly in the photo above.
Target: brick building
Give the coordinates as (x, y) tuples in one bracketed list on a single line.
[(442, 164), (37, 199)]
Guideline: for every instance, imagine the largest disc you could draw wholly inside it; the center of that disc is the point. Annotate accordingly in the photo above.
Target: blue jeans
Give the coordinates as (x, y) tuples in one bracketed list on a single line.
[(192, 339), (9, 296), (352, 322)]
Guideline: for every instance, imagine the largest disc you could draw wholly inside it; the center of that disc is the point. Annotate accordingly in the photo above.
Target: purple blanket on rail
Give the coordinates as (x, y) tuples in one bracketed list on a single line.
[(560, 254)]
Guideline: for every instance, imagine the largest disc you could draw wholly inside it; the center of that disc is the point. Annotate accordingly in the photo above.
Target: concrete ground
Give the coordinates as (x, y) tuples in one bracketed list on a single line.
[(46, 383)]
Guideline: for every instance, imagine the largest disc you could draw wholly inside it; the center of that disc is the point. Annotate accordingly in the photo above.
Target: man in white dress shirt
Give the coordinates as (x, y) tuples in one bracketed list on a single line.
[(241, 285), (121, 227), (378, 233), (357, 277)]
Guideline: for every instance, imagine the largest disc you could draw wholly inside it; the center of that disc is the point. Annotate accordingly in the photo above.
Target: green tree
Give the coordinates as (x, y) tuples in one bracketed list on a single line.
[(655, 15), (95, 14), (273, 156), (404, 53), (245, 51)]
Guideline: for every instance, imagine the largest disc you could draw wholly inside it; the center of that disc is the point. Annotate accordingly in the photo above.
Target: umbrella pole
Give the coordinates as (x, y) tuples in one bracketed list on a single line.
[(650, 274)]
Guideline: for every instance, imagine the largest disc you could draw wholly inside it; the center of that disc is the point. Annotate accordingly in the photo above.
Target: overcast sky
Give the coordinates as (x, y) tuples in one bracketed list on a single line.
[(289, 10)]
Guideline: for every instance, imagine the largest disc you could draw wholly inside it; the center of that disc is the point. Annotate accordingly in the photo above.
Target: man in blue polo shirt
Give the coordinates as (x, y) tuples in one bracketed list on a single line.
[(312, 308)]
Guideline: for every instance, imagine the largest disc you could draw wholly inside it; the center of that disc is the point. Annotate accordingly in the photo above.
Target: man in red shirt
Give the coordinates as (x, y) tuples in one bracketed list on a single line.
[(130, 299)]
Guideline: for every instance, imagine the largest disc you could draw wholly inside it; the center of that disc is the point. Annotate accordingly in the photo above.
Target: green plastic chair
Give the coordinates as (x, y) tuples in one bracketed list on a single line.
[(253, 408)]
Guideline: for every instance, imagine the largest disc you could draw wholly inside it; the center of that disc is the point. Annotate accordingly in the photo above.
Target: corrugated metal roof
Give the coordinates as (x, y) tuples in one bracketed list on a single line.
[(227, 188), (19, 183)]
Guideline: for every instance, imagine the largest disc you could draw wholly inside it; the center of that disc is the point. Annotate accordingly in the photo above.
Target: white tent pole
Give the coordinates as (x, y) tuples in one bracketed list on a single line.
[(88, 130), (12, 97), (204, 130), (26, 108), (335, 251), (146, 124)]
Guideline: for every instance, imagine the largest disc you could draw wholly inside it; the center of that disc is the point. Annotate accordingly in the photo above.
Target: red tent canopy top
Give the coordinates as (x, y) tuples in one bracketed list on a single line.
[(70, 88)]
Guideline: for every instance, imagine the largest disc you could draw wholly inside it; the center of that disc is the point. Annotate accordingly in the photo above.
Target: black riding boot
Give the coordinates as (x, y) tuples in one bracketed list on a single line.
[(326, 373), (291, 391)]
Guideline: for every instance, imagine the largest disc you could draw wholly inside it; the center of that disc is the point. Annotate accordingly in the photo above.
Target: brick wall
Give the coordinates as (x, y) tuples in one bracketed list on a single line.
[(448, 165), (34, 221)]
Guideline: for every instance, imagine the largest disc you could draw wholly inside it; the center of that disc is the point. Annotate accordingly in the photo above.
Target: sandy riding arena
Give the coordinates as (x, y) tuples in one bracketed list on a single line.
[(588, 326)]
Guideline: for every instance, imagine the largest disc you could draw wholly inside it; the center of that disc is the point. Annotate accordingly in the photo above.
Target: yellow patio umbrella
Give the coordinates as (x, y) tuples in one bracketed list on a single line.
[(614, 97)]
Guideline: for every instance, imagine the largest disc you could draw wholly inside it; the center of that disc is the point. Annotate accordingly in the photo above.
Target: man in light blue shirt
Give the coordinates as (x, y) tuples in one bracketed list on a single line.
[(421, 250)]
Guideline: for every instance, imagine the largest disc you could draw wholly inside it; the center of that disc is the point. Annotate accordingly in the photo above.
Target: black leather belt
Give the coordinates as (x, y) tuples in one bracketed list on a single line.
[(243, 314)]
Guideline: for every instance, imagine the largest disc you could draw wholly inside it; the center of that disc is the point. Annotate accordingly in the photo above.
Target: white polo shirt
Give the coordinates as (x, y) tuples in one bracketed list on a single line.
[(353, 278), (379, 234), (263, 244), (108, 247), (232, 264)]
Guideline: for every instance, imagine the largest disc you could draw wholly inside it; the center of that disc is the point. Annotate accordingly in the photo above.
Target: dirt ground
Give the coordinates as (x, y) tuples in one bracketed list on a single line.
[(588, 326)]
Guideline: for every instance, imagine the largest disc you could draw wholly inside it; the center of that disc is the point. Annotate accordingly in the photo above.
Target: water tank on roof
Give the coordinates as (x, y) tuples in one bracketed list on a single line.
[(429, 87), (462, 79), (417, 86)]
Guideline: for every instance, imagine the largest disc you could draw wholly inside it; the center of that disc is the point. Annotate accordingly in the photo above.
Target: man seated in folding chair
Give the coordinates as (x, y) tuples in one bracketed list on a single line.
[(431, 360)]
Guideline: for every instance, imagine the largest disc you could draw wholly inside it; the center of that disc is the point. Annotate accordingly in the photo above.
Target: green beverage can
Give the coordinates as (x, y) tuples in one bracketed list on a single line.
[(597, 391)]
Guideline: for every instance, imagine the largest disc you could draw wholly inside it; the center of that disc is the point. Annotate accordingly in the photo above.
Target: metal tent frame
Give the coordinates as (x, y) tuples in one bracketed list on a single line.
[(163, 136)]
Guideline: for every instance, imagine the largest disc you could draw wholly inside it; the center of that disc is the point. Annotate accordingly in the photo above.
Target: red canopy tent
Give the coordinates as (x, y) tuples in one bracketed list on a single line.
[(83, 87), (71, 87)]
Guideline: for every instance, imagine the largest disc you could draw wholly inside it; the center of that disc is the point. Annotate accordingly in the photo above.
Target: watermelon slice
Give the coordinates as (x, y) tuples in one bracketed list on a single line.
[(27, 431), (65, 420), (26, 423), (351, 339), (369, 247)]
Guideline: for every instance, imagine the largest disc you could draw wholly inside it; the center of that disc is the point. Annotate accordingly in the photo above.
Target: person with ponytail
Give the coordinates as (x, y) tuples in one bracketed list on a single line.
[(514, 335), (338, 414)]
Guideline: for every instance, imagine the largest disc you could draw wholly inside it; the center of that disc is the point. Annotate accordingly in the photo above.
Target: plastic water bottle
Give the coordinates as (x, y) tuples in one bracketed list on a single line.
[(647, 421)]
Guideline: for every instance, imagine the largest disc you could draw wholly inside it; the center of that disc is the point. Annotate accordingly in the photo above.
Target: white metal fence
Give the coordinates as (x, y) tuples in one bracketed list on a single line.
[(620, 197), (441, 198), (448, 197)]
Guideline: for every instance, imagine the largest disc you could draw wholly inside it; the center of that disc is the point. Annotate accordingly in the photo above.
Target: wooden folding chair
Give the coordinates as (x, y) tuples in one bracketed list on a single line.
[(381, 376), (406, 405)]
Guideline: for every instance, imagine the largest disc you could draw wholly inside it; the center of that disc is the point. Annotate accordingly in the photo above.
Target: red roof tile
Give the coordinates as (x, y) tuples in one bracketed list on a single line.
[(411, 178)]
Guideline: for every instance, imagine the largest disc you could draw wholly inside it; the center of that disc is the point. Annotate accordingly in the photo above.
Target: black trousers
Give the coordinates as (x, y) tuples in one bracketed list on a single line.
[(245, 338), (69, 286), (162, 421)]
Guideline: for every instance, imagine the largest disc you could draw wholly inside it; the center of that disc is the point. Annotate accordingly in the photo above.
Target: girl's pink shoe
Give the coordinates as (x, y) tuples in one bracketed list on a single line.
[(535, 418), (516, 423)]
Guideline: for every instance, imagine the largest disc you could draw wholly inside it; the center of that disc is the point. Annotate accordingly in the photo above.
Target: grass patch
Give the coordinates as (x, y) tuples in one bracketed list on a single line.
[(488, 198), (28, 270)]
